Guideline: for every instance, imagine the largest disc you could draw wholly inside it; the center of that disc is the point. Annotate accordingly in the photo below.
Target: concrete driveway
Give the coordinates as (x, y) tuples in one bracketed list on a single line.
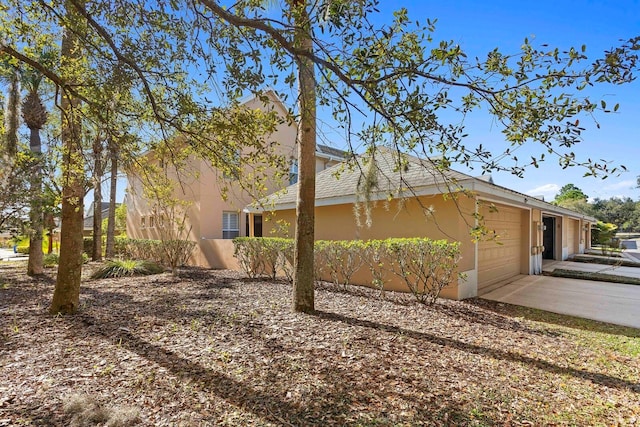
[(607, 302)]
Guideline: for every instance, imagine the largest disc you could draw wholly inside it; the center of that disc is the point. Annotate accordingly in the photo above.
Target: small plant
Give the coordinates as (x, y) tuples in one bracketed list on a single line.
[(126, 268), (52, 259), (87, 411)]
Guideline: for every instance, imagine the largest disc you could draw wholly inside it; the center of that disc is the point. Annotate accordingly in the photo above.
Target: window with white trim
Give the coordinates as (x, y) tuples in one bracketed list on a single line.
[(230, 225), (293, 171)]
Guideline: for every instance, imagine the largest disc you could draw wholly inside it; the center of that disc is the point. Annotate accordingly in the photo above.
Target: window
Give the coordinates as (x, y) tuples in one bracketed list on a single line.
[(142, 222), (293, 171), (230, 225)]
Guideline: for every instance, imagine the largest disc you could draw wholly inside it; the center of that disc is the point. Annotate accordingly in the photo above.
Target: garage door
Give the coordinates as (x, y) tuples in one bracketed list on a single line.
[(500, 260)]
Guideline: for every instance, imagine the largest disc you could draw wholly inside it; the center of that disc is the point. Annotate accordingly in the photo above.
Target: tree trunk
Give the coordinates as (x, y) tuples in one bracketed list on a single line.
[(66, 296), (96, 250), (111, 224), (35, 264), (12, 116), (303, 281), (50, 224)]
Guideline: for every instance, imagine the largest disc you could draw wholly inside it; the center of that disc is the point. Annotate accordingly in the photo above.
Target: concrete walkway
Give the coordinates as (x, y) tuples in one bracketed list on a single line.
[(9, 255), (607, 302)]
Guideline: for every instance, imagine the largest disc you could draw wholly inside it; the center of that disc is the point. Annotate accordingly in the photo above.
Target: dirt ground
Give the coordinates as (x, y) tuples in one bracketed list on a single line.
[(212, 348)]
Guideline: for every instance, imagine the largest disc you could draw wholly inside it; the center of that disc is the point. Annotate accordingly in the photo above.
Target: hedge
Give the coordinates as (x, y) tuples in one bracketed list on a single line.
[(426, 266), (169, 253)]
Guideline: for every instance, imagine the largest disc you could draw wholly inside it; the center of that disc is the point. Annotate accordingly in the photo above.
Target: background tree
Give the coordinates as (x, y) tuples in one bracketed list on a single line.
[(623, 212), (569, 192), (35, 117), (98, 152), (571, 197)]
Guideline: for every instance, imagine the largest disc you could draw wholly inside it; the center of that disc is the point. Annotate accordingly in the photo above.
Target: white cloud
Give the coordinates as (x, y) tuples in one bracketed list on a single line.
[(548, 191), (622, 185)]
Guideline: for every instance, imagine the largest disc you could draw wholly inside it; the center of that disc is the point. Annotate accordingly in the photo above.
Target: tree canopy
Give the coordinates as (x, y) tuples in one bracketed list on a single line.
[(569, 194)]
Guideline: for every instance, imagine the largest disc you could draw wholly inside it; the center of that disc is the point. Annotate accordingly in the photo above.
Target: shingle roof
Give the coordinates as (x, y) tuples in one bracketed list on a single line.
[(395, 176), (88, 219), (330, 151)]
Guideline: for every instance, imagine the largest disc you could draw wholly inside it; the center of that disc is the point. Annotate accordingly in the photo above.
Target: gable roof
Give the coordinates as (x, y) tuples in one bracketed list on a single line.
[(88, 218), (395, 176), (331, 153)]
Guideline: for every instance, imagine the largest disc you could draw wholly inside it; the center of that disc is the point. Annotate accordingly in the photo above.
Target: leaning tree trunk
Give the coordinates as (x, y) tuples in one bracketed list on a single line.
[(303, 289), (66, 296), (36, 219), (111, 222), (98, 171)]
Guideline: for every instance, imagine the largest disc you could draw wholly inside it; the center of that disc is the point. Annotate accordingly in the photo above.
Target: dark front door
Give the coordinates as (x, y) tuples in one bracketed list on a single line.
[(257, 226), (548, 236)]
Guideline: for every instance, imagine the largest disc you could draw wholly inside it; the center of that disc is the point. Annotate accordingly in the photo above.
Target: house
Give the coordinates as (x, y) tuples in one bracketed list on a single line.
[(214, 215), (411, 197), (88, 217)]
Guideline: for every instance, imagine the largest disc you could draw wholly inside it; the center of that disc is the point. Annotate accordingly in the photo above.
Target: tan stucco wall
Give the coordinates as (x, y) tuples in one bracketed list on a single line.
[(448, 220), (202, 186)]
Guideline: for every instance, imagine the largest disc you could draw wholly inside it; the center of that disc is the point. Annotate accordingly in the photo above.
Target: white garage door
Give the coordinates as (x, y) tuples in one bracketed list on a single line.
[(500, 259)]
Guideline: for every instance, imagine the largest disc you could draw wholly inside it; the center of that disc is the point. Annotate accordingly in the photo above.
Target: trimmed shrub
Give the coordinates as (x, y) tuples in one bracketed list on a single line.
[(22, 250), (375, 255), (247, 252), (126, 268), (52, 259), (170, 253), (264, 256), (425, 265), (341, 259), (175, 253)]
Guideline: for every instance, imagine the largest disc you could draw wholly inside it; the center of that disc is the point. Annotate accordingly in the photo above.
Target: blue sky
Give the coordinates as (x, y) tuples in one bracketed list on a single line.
[(482, 26)]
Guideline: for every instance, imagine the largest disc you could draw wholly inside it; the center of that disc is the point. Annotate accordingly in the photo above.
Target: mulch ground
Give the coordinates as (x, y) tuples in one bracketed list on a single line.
[(213, 348)]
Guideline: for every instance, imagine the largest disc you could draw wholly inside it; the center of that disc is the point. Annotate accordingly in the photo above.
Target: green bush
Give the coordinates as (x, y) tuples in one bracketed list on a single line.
[(264, 256), (375, 255), (23, 250), (341, 259), (169, 253), (426, 266), (87, 245), (53, 259), (126, 268)]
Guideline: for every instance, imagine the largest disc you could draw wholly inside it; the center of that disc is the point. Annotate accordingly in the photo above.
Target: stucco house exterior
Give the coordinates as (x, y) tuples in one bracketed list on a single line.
[(414, 199), (213, 218)]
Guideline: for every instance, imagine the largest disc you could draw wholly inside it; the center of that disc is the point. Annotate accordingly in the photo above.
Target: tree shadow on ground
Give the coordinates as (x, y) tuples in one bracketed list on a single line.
[(332, 405), (511, 310), (595, 377), (468, 313)]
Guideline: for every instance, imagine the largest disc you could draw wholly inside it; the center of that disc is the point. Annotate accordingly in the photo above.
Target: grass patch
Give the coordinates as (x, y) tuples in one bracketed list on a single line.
[(605, 261), (86, 411), (600, 277), (127, 268)]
